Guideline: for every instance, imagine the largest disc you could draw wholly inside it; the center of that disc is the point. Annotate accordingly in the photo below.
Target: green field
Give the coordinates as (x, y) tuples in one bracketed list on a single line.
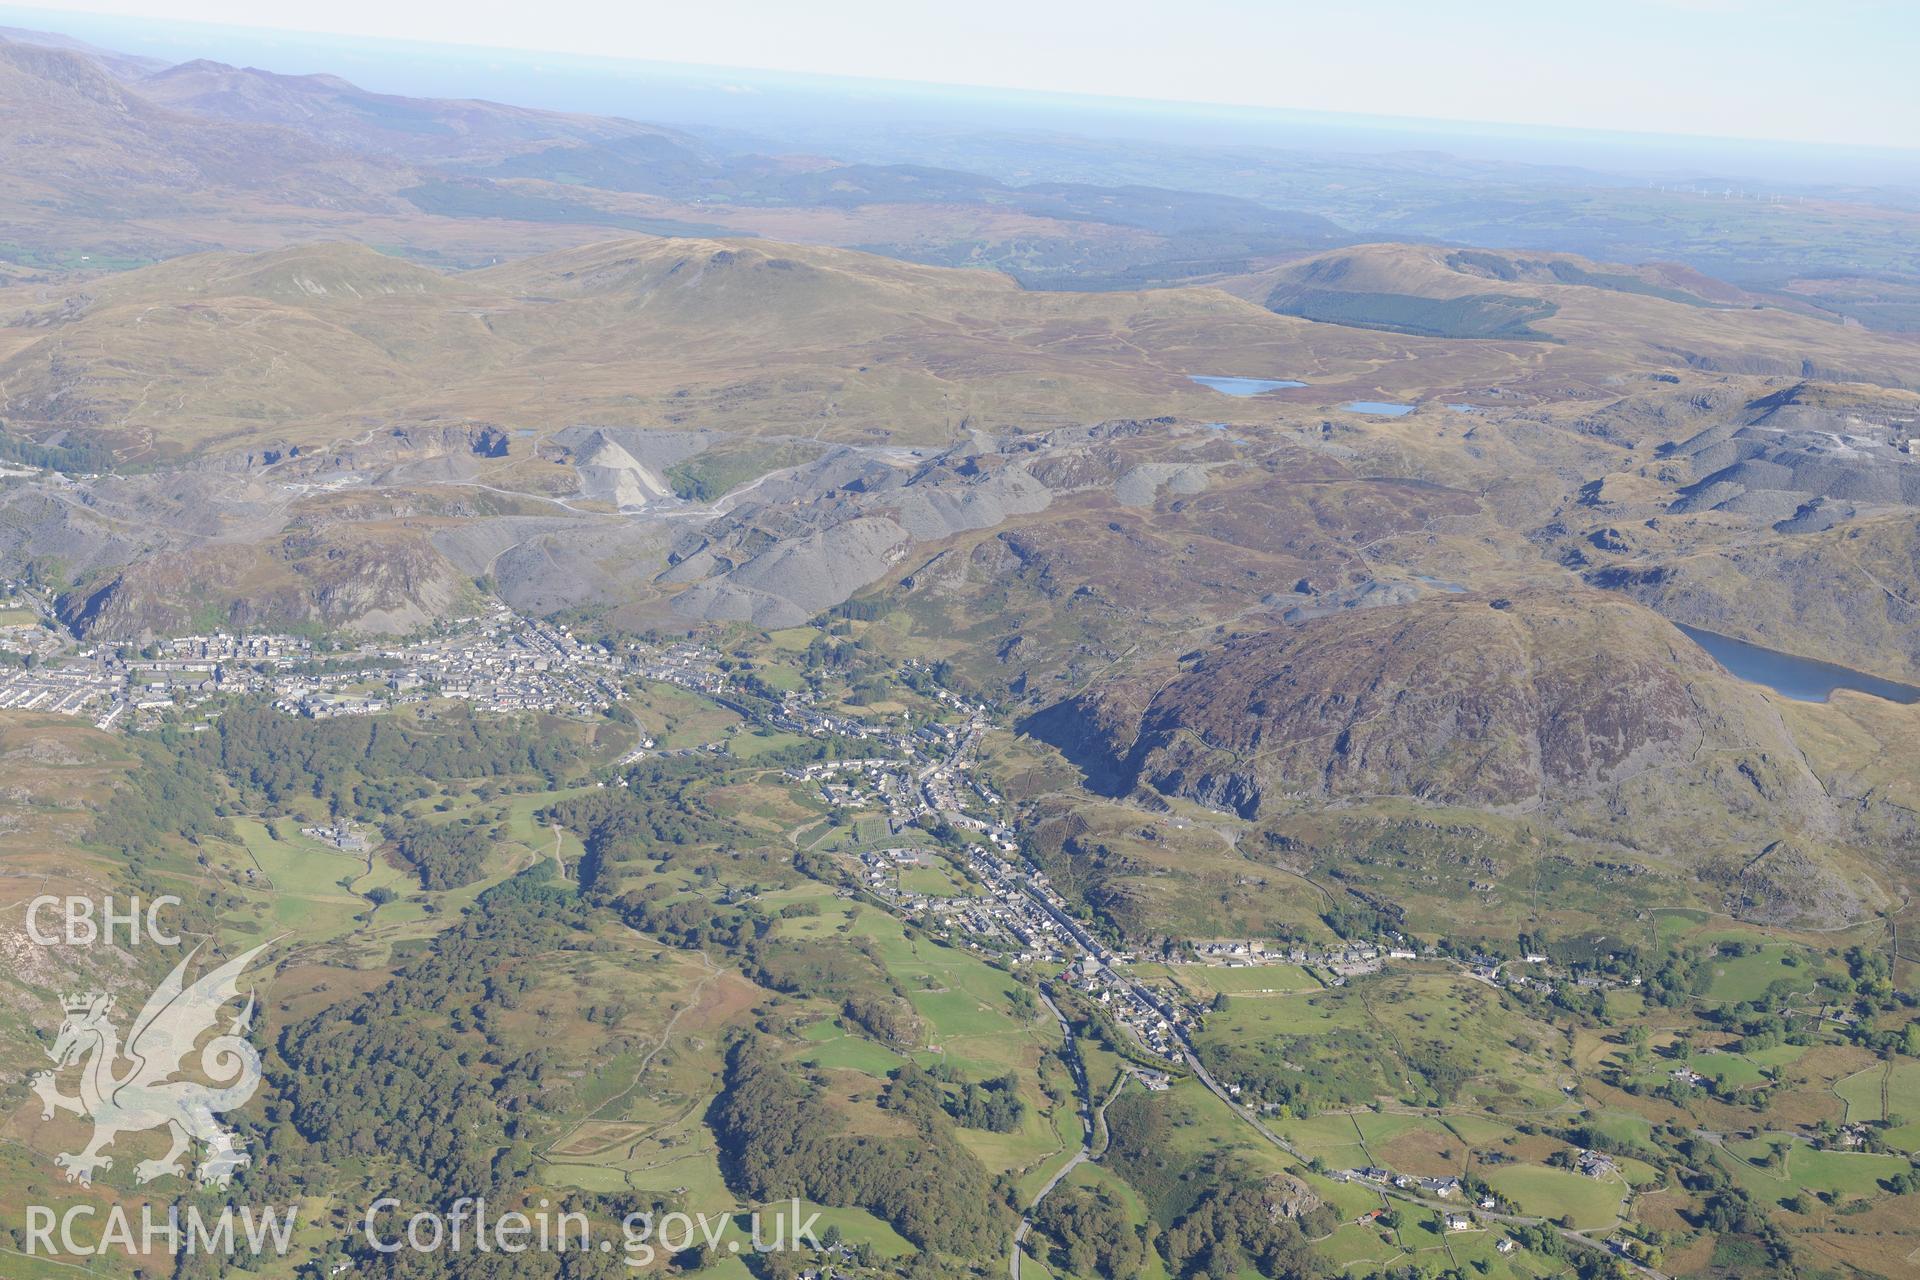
[(1381, 1036), (747, 746), (1479, 1255), (1904, 1137), (1776, 1056), (793, 639), (1262, 979), (1747, 977), (1593, 1202), (935, 881), (1841, 1172), (678, 718), (1356, 1244), (1332, 1136), (307, 882), (1729, 1069), (844, 1052), (1623, 1126), (1863, 1091)]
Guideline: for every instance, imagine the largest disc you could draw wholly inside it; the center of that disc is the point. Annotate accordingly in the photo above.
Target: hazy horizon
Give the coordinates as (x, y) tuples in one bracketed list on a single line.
[(766, 104)]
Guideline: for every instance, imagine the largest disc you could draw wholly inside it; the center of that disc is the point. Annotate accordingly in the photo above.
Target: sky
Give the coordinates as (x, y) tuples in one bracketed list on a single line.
[(1822, 71)]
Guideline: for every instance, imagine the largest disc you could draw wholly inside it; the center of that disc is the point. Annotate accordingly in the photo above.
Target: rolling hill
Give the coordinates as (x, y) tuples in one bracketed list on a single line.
[(74, 136), (310, 345), (161, 161), (1650, 313), (1457, 699), (340, 115), (302, 345), (1586, 715)]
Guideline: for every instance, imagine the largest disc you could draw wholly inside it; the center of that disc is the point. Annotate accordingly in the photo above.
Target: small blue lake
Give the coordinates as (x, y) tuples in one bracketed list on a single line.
[(1382, 408), (1802, 679), (1243, 386)]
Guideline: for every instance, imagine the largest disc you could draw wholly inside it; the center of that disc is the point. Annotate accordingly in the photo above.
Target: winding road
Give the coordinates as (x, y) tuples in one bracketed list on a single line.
[(1086, 1141)]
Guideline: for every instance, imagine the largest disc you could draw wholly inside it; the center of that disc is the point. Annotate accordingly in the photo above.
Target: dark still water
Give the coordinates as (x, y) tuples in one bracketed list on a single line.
[(1801, 679)]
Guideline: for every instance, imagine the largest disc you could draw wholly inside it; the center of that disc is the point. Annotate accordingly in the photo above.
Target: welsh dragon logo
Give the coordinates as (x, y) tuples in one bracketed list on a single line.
[(144, 1096)]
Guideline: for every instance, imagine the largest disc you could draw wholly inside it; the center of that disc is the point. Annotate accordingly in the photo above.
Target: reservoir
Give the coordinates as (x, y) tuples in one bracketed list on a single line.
[(1802, 679), (1243, 386), (1382, 408)]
